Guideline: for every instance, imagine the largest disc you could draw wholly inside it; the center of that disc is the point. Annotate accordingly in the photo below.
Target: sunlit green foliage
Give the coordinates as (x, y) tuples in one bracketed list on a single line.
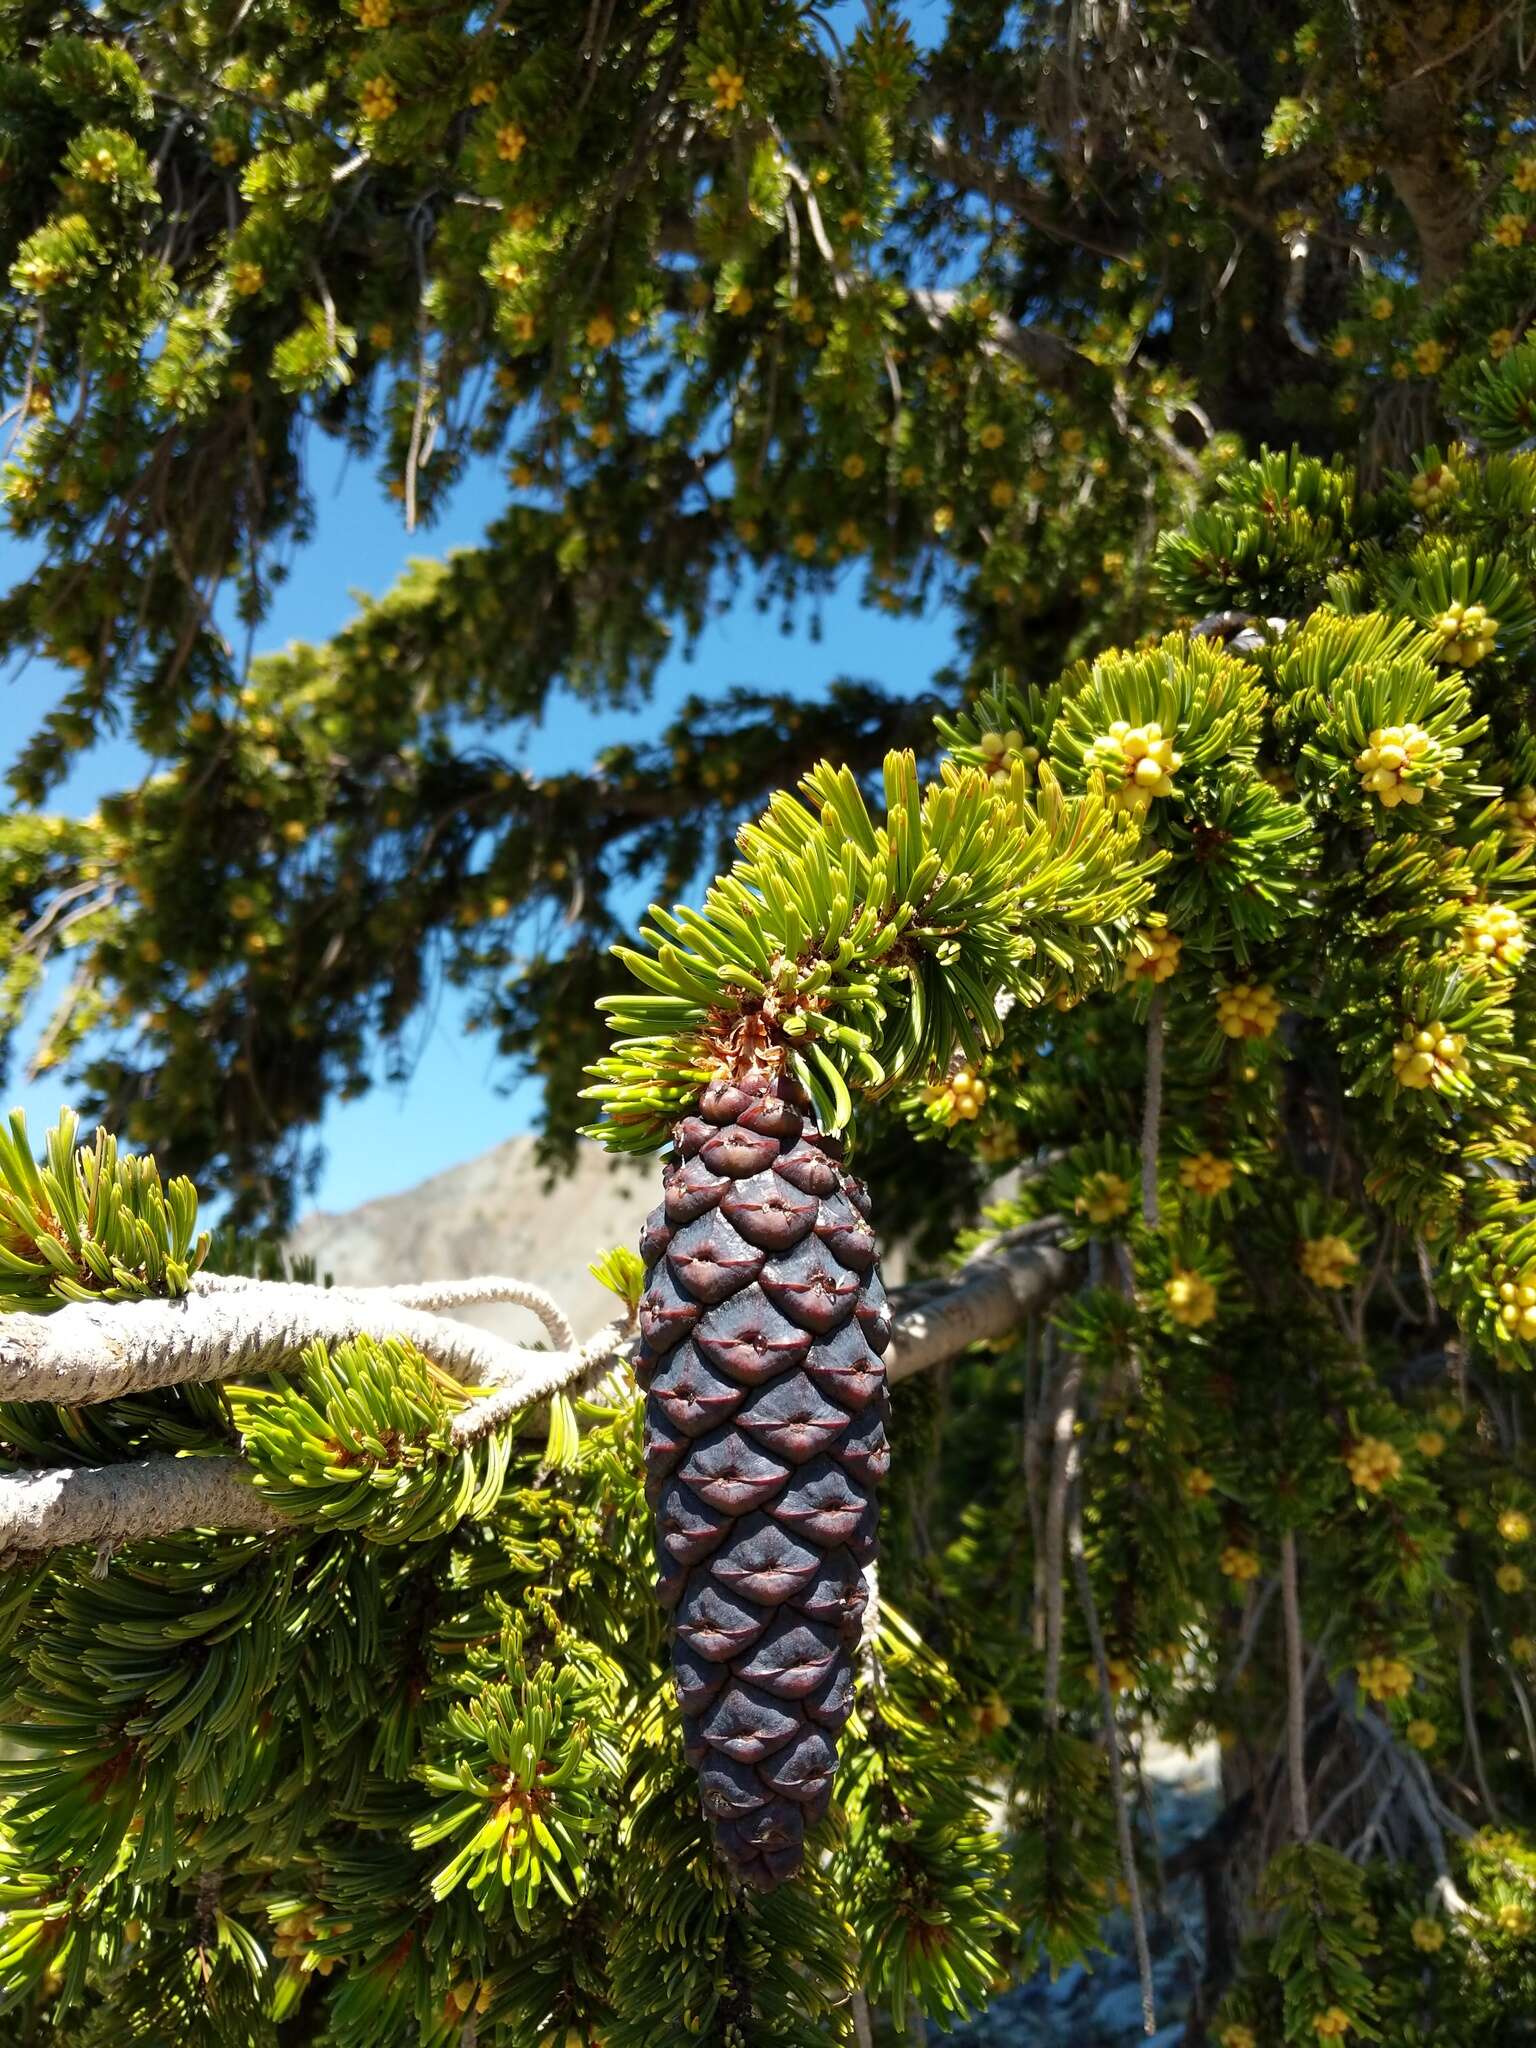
[(1186, 356)]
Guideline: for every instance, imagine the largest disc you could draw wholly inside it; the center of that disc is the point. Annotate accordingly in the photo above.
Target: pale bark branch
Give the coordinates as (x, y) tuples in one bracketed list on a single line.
[(1258, 1607), (1298, 249), (156, 1496), (231, 1327), (100, 1351), (863, 2033), (1116, 1774), (1051, 358), (1152, 1108), (1295, 1689), (113, 1504), (1012, 1279), (1469, 1715), (1064, 1461), (447, 1295), (1433, 1817), (436, 1296), (551, 1373)]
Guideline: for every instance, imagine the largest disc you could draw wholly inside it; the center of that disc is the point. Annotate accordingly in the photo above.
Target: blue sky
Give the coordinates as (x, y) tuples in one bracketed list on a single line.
[(455, 1104)]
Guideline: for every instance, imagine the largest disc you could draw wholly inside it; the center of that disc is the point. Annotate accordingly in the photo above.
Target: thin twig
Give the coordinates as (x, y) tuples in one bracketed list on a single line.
[(1295, 1694), (1342, 1798), (1036, 1356), (1063, 1471), (327, 302), (555, 1371), (1152, 1107), (1469, 1715), (591, 52), (24, 406), (1295, 286), (1258, 1607), (419, 412), (1523, 1702), (413, 453), (1428, 1806), (447, 1295), (38, 930), (812, 212), (1116, 1777), (173, 128), (1360, 1847)]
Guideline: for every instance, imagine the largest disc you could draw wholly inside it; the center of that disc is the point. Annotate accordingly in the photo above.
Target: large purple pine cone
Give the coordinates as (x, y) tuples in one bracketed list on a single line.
[(762, 1323)]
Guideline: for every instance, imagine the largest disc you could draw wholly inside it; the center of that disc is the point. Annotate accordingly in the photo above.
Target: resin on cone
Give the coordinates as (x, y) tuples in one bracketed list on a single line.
[(763, 1324)]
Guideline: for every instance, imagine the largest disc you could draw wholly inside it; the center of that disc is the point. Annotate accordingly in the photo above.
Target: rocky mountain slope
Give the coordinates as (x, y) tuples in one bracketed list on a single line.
[(494, 1214)]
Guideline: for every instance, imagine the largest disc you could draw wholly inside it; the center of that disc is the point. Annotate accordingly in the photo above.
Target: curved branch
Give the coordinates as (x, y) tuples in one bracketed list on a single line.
[(1048, 356), (555, 1371), (158, 1496), (104, 1350), (1152, 1107), (1001, 181), (440, 1295), (1298, 249), (1295, 1690), (100, 1351)]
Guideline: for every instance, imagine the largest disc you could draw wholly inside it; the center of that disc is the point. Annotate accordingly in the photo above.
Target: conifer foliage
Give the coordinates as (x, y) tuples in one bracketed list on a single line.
[(1186, 349)]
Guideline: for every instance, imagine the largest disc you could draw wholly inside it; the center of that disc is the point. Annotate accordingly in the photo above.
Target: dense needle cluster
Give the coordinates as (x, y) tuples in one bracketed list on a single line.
[(763, 1322)]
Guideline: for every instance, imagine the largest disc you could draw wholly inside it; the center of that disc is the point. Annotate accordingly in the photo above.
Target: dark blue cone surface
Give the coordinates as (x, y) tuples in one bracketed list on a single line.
[(763, 1327)]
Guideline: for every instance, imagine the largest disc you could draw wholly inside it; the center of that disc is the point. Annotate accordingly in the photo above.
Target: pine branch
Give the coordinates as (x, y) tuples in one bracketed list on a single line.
[(439, 1296), (158, 1496), (1295, 1700), (100, 1351), (1064, 1460), (1009, 187), (992, 1293), (115, 1504), (233, 1326), (559, 1370), (1469, 1712), (1433, 1817), (1046, 355), (228, 1327), (1132, 1877), (1152, 1108)]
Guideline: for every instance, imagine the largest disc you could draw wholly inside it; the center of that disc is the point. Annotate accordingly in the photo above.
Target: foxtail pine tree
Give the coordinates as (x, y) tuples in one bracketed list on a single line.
[(1163, 983)]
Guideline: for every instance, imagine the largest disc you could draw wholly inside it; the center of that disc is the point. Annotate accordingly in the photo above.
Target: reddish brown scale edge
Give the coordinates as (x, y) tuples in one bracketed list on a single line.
[(763, 1325)]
